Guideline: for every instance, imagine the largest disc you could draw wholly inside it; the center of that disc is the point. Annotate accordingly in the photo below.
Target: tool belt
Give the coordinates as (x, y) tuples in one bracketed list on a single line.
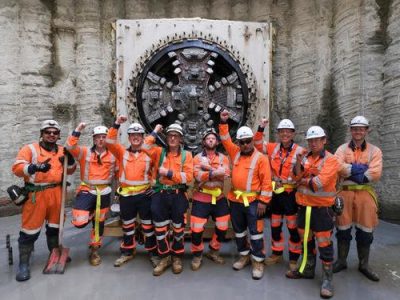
[(362, 187), (284, 187), (169, 189), (132, 189), (31, 188), (244, 195), (215, 193)]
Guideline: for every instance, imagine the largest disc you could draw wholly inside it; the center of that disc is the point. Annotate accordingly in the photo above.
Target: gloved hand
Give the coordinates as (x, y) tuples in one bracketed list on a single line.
[(40, 167), (70, 158), (358, 169)]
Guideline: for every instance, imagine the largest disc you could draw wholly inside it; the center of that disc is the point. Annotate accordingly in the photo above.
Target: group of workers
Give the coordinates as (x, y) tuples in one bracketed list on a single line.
[(280, 179)]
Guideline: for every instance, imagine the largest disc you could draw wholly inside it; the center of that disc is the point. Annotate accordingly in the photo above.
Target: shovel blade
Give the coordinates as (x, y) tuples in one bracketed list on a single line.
[(57, 261)]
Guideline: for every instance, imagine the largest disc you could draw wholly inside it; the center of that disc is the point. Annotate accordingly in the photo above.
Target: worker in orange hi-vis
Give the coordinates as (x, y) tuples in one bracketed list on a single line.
[(210, 169), (282, 157), (250, 194), (135, 177), (361, 165), (97, 171), (173, 170), (316, 173), (41, 167)]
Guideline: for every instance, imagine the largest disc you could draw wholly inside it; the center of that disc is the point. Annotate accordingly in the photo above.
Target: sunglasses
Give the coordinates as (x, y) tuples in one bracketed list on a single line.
[(245, 142), (51, 132)]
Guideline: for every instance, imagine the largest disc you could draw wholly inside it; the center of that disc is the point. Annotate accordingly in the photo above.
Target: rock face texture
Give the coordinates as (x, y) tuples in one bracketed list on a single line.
[(333, 59)]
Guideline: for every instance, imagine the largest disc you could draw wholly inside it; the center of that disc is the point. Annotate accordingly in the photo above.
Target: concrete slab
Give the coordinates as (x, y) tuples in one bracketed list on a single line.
[(135, 279)]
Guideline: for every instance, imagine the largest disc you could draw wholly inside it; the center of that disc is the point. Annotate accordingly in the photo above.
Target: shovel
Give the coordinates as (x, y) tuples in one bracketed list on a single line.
[(59, 256)]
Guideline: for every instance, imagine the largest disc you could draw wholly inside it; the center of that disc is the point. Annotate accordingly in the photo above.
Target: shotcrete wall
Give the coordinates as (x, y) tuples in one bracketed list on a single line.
[(57, 61)]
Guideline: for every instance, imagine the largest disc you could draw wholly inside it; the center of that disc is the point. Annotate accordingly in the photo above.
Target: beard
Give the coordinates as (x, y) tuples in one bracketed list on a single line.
[(206, 146)]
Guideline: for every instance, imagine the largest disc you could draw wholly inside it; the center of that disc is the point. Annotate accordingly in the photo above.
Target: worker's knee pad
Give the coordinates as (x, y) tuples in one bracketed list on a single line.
[(364, 238), (344, 235)]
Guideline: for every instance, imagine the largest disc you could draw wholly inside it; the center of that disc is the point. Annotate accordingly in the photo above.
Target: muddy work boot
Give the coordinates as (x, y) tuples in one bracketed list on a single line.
[(177, 266), (326, 286), (273, 259), (242, 262), (257, 271), (23, 272), (196, 263), (154, 259), (164, 263), (215, 256), (94, 257), (363, 267), (124, 258), (308, 272), (343, 250)]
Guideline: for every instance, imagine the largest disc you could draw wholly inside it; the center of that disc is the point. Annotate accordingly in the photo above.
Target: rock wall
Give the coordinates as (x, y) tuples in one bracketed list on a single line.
[(57, 61)]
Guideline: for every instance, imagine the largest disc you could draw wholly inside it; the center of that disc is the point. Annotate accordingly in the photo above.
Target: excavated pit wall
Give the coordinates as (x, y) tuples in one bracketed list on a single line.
[(332, 60)]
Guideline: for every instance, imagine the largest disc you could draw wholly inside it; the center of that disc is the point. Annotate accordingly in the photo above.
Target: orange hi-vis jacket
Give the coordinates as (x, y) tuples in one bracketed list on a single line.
[(321, 174), (250, 173), (33, 154), (202, 176), (282, 160), (181, 174), (95, 171), (135, 169), (368, 154)]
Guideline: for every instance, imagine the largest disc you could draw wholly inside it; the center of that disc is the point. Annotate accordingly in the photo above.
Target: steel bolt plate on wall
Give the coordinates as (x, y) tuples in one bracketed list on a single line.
[(188, 70)]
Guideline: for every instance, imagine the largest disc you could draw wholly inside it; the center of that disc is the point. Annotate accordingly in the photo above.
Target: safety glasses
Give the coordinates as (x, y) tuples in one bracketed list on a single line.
[(51, 132), (245, 142)]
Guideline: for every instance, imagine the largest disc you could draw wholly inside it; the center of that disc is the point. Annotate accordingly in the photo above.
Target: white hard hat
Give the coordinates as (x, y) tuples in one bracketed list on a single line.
[(99, 130), (285, 124), (315, 132), (359, 121), (244, 132), (135, 128), (174, 127), (209, 131), (50, 124)]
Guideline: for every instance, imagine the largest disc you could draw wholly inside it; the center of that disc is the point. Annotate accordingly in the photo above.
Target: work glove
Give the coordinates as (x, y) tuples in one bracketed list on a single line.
[(40, 167), (70, 158), (358, 169)]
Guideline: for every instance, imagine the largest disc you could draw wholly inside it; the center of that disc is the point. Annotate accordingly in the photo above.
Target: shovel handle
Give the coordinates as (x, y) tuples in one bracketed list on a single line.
[(63, 196)]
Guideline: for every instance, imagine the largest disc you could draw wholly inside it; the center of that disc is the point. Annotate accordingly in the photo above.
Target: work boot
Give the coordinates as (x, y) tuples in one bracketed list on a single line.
[(326, 286), (273, 259), (94, 257), (124, 258), (243, 261), (23, 269), (363, 257), (164, 263), (154, 258), (215, 256), (196, 263), (257, 271), (177, 266), (292, 265), (343, 250), (308, 272)]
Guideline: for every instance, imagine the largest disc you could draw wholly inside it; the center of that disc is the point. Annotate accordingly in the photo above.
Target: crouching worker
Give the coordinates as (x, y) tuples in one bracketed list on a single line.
[(135, 167), (97, 166), (41, 167), (316, 175)]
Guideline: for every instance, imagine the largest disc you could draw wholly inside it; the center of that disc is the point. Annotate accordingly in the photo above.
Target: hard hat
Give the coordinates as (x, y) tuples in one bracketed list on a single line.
[(174, 127), (244, 132), (315, 132), (135, 128), (209, 131), (285, 124), (359, 121), (50, 124), (99, 130)]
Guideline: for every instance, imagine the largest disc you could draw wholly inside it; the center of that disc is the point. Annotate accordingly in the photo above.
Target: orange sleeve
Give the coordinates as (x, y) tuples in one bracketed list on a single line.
[(327, 175), (374, 171), (227, 167), (259, 144), (112, 144), (344, 167), (72, 146), (265, 180), (226, 140), (22, 161), (186, 175)]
